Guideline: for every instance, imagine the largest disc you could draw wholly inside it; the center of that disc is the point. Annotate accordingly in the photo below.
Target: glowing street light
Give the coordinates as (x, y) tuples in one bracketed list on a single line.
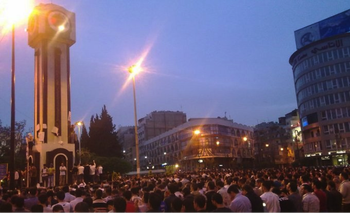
[(197, 132), (13, 12)]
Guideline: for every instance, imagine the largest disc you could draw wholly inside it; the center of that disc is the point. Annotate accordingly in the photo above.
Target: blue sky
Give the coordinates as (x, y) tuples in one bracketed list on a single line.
[(205, 58)]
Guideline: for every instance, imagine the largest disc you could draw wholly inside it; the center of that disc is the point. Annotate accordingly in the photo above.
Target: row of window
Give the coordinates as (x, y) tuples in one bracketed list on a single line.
[(315, 75), (336, 128), (324, 86), (321, 58), (325, 100), (337, 113), (338, 145)]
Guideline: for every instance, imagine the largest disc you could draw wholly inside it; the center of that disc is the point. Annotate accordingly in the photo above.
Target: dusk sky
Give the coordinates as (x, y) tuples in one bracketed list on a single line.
[(204, 58)]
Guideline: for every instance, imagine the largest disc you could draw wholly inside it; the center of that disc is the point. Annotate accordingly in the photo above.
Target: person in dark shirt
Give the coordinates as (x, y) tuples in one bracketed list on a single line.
[(217, 201), (154, 201), (176, 205), (255, 200), (295, 196), (172, 188), (334, 201), (285, 204), (209, 194)]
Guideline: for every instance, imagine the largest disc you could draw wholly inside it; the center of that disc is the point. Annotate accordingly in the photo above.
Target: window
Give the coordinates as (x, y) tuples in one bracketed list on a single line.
[(322, 101), (346, 52), (324, 115), (328, 144), (330, 55), (341, 127), (325, 130)]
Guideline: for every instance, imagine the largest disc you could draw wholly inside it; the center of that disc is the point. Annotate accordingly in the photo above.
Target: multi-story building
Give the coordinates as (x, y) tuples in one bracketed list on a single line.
[(158, 122), (126, 138), (200, 143), (321, 70)]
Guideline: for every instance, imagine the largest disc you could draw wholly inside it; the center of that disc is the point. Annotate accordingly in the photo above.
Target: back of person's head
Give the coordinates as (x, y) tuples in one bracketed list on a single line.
[(211, 185), (5, 207), (19, 201), (81, 207), (200, 201), (65, 188), (89, 201), (317, 184), (176, 204), (305, 178), (267, 184), (135, 190), (37, 208), (172, 188), (61, 195), (188, 203), (217, 198), (154, 200), (33, 190), (58, 208), (127, 195), (233, 188), (228, 180), (50, 193), (194, 186), (119, 204), (42, 198), (276, 190), (247, 188), (220, 183), (307, 187), (331, 184), (78, 192), (293, 186), (98, 194), (345, 175)]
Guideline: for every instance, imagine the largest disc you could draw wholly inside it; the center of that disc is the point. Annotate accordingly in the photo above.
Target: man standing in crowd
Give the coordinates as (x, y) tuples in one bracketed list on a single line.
[(44, 175), (239, 203), (217, 201), (344, 189), (92, 171), (51, 172), (270, 199), (294, 196), (255, 200), (33, 176), (63, 172), (310, 202)]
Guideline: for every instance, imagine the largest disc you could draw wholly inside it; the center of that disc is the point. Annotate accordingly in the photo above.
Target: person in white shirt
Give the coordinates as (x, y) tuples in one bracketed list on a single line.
[(92, 171), (79, 193), (310, 202), (99, 172), (66, 206), (63, 172), (270, 199)]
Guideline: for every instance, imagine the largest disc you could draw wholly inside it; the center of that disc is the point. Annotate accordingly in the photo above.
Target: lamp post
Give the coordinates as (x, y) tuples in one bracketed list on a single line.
[(133, 71), (12, 13), (79, 124)]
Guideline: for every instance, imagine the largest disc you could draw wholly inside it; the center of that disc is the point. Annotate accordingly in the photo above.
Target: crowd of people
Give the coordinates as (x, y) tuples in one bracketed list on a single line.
[(291, 189)]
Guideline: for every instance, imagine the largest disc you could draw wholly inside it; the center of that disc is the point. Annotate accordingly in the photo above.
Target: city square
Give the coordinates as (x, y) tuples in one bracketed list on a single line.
[(182, 111)]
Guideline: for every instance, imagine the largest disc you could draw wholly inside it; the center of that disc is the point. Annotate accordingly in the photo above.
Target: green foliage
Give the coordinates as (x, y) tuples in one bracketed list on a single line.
[(20, 144), (102, 138)]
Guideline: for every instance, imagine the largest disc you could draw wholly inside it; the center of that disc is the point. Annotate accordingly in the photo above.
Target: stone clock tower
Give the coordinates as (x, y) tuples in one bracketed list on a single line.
[(51, 32)]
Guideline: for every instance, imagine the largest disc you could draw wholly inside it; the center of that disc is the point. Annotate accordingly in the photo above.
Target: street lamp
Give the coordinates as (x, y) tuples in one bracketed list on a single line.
[(133, 70), (79, 124), (13, 12)]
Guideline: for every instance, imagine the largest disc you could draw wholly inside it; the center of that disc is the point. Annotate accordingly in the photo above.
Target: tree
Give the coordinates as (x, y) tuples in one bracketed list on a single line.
[(5, 142), (103, 140)]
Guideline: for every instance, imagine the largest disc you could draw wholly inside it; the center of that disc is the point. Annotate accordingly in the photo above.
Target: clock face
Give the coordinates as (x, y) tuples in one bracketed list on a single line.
[(58, 21)]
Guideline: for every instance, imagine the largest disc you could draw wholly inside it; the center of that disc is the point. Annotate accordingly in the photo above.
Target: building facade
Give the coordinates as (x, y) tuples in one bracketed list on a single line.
[(158, 122), (321, 71), (200, 143)]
